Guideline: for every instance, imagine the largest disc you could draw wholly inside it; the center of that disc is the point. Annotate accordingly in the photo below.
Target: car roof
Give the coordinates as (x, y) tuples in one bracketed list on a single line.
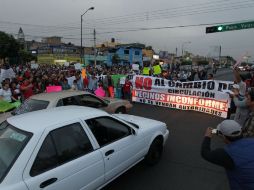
[(56, 95), (38, 121)]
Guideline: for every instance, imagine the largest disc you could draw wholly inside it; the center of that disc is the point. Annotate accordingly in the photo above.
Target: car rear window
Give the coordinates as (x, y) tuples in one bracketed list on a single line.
[(12, 142), (31, 105)]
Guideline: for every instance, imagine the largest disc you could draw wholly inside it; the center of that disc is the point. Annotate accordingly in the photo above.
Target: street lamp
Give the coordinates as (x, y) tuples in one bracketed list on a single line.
[(183, 46), (81, 39)]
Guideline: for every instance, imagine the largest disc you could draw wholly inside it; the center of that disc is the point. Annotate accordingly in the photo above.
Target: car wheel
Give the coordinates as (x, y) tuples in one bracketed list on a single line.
[(121, 110), (155, 152)]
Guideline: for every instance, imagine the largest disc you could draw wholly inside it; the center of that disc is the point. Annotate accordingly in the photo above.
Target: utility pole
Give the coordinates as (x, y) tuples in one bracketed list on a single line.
[(81, 34), (176, 51), (81, 40), (95, 53), (220, 55)]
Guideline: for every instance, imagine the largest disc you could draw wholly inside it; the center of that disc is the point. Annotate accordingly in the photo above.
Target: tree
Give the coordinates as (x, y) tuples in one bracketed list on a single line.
[(186, 62), (9, 47), (149, 48), (26, 56)]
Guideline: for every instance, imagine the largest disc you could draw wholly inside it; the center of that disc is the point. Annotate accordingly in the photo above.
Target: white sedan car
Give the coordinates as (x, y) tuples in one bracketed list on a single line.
[(73, 148)]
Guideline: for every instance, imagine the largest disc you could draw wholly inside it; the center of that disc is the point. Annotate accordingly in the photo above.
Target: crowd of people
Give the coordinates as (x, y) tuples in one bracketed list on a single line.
[(24, 81), (237, 157)]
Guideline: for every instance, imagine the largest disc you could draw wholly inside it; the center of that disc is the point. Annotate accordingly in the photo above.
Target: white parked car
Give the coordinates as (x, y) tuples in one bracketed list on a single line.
[(73, 148)]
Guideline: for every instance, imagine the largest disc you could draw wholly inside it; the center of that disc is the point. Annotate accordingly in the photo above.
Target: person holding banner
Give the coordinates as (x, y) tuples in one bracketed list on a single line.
[(146, 69), (156, 69), (210, 76)]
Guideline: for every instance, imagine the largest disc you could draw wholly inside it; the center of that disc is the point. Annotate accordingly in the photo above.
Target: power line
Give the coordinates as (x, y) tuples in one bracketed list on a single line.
[(172, 27), (175, 15), (186, 13), (174, 9), (158, 12)]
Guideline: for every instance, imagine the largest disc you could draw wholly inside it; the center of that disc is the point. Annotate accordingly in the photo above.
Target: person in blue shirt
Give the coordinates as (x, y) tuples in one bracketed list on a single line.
[(80, 84), (237, 157)]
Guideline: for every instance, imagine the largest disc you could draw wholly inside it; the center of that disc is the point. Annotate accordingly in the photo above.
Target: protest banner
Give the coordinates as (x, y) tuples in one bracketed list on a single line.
[(78, 66), (50, 89), (66, 64), (34, 66), (7, 106), (116, 78), (135, 67), (70, 80), (122, 80), (7, 73), (207, 96)]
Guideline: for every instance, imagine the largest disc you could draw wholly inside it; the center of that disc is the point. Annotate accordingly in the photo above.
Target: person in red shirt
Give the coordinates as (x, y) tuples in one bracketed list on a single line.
[(27, 74), (127, 89), (26, 88), (85, 82)]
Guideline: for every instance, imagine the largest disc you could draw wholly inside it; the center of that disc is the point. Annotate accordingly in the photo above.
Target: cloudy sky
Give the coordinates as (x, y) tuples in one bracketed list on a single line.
[(125, 20)]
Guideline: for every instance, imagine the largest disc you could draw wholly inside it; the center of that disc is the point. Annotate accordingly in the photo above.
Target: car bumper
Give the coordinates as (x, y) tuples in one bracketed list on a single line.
[(165, 137)]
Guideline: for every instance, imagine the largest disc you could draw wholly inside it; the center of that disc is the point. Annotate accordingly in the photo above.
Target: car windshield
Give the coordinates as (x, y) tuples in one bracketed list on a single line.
[(12, 142), (31, 105), (106, 100)]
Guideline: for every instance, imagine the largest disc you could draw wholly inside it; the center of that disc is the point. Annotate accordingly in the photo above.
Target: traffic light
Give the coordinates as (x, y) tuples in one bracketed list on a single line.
[(213, 29)]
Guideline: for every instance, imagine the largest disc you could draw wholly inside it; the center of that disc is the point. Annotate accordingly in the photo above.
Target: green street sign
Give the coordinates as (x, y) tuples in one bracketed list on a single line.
[(230, 27)]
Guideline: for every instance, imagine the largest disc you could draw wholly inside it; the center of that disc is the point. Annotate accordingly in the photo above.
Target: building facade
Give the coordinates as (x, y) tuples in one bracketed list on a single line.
[(126, 54)]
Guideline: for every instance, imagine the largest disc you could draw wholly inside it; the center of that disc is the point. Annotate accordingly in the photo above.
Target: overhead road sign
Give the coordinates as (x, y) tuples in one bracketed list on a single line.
[(230, 27)]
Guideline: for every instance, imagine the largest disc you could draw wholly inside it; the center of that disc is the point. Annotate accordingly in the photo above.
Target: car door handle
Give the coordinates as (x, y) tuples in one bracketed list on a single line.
[(48, 182), (109, 152)]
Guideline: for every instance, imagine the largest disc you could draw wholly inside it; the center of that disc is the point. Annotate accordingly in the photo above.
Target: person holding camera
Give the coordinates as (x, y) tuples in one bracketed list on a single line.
[(237, 157)]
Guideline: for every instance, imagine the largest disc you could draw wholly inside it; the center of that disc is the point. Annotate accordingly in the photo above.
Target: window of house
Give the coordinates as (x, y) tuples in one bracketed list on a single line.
[(126, 51), (107, 130), (61, 146), (137, 53)]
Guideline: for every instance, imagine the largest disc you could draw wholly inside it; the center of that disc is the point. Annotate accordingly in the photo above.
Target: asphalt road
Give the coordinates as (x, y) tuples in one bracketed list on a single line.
[(181, 167)]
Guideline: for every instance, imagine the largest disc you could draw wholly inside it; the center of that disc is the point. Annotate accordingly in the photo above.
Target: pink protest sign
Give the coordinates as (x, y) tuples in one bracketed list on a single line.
[(50, 89), (100, 92)]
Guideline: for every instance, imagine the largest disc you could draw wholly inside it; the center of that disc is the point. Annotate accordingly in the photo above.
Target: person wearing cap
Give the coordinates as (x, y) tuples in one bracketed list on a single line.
[(237, 157), (240, 102)]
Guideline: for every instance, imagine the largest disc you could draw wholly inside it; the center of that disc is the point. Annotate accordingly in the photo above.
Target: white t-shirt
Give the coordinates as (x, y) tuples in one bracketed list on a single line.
[(242, 88), (6, 94)]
